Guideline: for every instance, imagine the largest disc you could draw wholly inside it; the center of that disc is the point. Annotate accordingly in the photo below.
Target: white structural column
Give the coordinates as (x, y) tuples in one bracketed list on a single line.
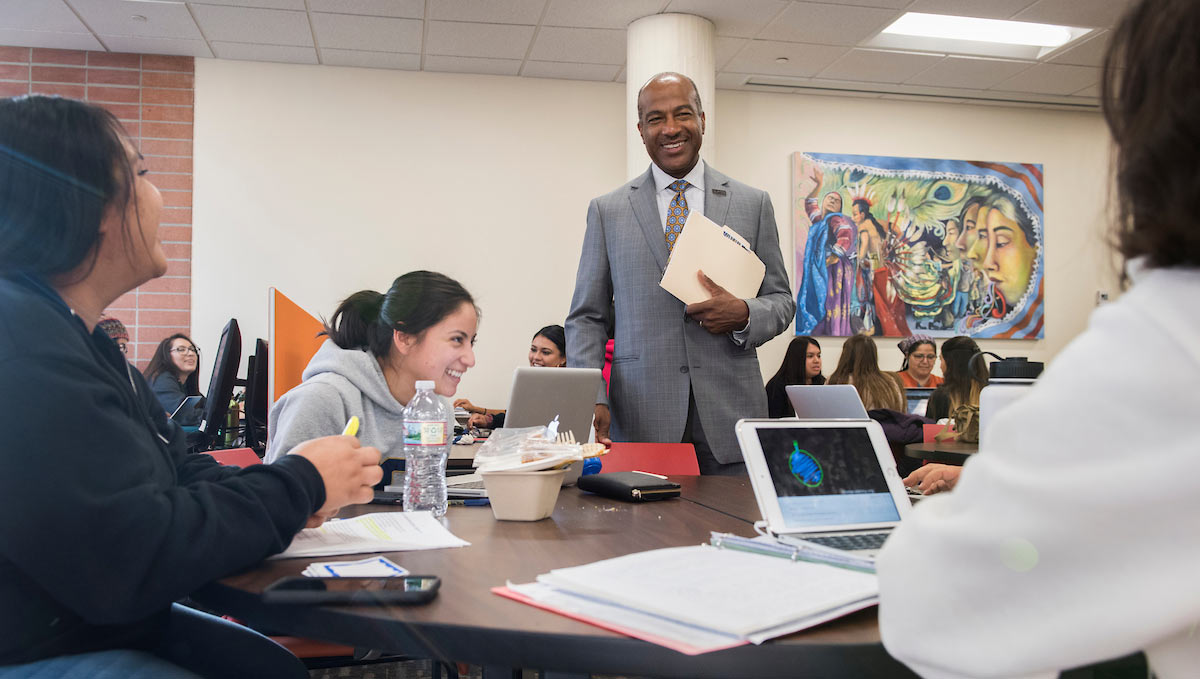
[(669, 42)]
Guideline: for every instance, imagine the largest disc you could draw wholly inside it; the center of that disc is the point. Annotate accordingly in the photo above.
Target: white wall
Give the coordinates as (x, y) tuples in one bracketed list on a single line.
[(321, 181)]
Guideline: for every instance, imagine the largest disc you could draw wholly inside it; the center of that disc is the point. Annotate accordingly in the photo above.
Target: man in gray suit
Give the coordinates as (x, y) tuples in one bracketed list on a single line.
[(679, 373)]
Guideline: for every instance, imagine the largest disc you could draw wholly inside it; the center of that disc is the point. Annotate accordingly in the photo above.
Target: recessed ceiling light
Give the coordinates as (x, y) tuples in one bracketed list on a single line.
[(980, 30)]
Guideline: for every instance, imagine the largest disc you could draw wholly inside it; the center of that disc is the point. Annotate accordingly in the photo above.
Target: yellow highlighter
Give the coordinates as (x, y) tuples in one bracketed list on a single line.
[(351, 426)]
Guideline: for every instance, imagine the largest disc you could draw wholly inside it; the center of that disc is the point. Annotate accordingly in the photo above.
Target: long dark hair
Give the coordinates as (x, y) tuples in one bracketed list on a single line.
[(161, 363), (793, 370), (556, 334), (1152, 107), (964, 377), (62, 163), (416, 301)]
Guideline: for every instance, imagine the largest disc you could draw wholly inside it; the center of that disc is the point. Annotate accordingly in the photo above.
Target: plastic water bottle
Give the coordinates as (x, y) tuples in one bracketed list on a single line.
[(1008, 380), (426, 447)]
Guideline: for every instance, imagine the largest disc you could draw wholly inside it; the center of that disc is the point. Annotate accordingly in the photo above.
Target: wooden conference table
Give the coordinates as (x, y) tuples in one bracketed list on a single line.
[(946, 453), (467, 623)]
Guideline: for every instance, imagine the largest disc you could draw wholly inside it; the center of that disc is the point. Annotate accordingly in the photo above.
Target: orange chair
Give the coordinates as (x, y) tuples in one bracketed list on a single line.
[(659, 458)]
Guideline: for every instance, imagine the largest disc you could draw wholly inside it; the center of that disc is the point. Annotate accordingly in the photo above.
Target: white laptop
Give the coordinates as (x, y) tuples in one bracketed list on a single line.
[(826, 402), (541, 394), (833, 483)]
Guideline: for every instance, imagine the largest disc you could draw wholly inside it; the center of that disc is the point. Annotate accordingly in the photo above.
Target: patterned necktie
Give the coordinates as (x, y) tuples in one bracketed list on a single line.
[(677, 213)]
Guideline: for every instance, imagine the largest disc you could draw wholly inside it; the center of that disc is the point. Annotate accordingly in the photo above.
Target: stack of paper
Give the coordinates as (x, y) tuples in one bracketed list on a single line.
[(700, 599), (380, 532), (374, 567)]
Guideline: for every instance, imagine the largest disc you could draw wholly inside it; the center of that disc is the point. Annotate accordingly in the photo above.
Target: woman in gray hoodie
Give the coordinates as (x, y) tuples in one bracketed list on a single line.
[(379, 345)]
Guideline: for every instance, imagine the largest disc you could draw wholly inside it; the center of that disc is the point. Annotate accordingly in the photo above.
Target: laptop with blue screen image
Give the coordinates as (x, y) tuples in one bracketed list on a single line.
[(833, 483)]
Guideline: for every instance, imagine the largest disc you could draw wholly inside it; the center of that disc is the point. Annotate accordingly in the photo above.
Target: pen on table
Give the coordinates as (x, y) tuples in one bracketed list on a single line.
[(351, 426), (657, 476)]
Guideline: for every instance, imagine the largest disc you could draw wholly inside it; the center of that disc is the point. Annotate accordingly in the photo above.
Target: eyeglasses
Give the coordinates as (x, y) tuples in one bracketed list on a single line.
[(924, 357), (124, 348), (185, 350)]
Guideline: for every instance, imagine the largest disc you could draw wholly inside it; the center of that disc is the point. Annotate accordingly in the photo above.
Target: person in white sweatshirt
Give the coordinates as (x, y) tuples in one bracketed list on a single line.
[(379, 345), (1073, 536)]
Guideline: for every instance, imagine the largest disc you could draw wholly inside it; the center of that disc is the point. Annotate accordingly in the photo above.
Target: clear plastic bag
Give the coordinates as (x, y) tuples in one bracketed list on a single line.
[(524, 449)]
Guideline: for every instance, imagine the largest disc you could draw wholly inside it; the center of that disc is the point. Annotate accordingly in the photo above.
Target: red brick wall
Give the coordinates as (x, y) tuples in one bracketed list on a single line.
[(152, 96)]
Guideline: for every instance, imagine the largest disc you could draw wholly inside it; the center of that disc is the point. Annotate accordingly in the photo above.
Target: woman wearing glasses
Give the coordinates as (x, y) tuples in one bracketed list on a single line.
[(920, 353), (174, 374)]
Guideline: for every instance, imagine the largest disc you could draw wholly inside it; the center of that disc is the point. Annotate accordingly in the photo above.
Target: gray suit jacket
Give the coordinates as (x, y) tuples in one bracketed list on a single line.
[(660, 352)]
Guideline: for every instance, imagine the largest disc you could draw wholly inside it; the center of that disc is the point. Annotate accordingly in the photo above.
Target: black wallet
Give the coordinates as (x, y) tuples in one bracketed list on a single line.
[(629, 486)]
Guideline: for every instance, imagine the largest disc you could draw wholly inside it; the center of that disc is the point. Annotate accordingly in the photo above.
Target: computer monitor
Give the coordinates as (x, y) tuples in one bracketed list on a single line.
[(256, 398), (220, 387)]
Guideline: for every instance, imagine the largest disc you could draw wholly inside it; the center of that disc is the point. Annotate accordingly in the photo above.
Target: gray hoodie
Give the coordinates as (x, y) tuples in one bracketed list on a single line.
[(339, 383)]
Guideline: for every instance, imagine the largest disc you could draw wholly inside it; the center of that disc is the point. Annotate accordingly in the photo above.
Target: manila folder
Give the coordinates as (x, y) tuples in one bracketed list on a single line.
[(721, 253)]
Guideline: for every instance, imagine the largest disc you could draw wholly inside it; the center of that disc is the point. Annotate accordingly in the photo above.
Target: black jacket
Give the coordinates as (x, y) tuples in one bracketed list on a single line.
[(106, 520)]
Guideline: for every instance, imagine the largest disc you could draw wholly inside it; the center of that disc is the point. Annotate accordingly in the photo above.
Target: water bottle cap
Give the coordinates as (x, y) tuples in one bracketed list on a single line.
[(424, 385)]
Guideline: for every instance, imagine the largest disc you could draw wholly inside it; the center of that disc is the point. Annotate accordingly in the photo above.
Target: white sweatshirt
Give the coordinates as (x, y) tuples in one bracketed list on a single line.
[(1075, 536)]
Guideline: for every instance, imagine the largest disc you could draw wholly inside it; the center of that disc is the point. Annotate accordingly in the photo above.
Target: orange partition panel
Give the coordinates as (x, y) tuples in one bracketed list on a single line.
[(294, 339), (657, 458)]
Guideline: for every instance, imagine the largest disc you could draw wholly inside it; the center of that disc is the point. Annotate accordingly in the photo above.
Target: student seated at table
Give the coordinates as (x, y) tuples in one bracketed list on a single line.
[(109, 521), (379, 346), (547, 349), (801, 365), (116, 331), (1070, 537), (920, 354), (859, 365), (965, 376), (173, 374)]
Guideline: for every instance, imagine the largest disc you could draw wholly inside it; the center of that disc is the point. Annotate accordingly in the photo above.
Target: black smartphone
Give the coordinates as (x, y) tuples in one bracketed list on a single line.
[(404, 590)]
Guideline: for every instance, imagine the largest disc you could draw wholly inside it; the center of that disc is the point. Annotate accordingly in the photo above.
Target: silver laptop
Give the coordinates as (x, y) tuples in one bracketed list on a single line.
[(917, 399), (826, 402), (833, 483), (541, 394)]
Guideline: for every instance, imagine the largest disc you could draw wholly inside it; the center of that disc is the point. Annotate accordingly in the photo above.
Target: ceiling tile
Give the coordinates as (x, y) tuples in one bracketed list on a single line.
[(46, 15), (338, 57), (730, 81), (404, 9), (142, 45), (984, 9), (760, 56), (1089, 91), (260, 52), (1052, 79), (563, 71), (579, 45), (828, 24), (887, 4), (620, 75), (592, 14), (487, 11), (969, 72), (1088, 53), (726, 48), (458, 39), (743, 19), (472, 65), (262, 4), (878, 66), (62, 41), (374, 34), (1099, 13), (254, 26), (114, 17)]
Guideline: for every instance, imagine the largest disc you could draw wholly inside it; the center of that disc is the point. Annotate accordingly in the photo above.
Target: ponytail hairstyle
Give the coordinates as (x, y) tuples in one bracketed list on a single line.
[(964, 377), (556, 334), (416, 301)]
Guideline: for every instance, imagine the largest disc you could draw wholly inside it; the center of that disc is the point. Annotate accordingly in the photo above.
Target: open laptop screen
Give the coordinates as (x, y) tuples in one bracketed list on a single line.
[(918, 399), (826, 476)]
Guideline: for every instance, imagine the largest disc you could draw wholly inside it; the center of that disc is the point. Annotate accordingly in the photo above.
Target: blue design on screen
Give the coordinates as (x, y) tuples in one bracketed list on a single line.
[(805, 467)]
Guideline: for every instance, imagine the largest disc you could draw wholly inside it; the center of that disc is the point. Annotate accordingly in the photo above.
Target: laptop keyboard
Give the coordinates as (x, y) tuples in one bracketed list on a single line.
[(851, 543)]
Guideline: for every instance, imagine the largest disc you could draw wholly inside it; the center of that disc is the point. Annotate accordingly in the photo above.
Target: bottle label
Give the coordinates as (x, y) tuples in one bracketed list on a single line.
[(424, 433)]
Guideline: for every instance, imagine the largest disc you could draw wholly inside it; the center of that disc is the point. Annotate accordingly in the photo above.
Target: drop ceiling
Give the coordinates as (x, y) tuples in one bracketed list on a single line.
[(762, 45)]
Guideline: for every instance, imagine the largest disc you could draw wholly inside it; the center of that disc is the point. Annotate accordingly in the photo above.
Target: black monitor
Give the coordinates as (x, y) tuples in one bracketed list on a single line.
[(220, 387), (257, 402)]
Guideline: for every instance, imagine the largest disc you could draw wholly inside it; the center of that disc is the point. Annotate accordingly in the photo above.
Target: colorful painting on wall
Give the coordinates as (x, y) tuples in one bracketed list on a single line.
[(894, 246)]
